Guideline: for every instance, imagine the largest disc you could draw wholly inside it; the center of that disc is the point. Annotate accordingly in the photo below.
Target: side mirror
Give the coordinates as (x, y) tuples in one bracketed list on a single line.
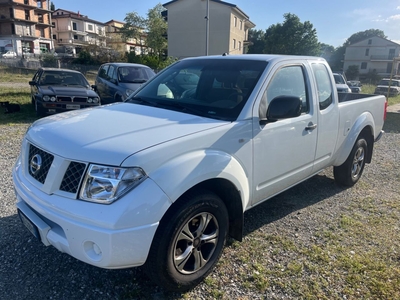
[(284, 107), (32, 82), (94, 87)]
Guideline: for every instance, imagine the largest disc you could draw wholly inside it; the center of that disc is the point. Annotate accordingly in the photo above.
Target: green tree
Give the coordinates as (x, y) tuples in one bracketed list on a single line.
[(157, 31), (352, 72), (257, 41), (292, 37), (133, 27), (52, 7)]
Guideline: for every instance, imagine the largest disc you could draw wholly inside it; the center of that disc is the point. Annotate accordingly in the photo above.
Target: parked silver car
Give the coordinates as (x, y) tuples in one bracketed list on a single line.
[(117, 81), (341, 85)]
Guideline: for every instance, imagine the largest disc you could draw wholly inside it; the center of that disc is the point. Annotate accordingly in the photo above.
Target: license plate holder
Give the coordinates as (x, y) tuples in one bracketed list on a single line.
[(29, 224), (73, 106)]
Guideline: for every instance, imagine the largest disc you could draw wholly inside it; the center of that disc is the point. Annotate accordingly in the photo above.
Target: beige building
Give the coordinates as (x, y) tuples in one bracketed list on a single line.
[(25, 27), (74, 31), (116, 41), (373, 54), (187, 20)]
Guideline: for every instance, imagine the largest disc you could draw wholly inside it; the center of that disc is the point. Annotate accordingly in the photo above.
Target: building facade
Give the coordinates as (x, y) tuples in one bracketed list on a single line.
[(189, 34), (25, 27), (116, 41), (374, 54), (74, 32)]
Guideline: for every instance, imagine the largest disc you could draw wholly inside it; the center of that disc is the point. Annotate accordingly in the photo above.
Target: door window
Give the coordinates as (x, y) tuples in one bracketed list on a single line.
[(287, 81)]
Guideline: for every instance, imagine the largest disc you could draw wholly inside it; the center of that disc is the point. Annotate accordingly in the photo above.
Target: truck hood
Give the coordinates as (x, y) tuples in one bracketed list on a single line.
[(109, 134)]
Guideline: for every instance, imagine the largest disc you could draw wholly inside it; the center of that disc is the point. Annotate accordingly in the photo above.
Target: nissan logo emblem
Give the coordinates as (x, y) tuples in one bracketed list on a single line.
[(35, 164)]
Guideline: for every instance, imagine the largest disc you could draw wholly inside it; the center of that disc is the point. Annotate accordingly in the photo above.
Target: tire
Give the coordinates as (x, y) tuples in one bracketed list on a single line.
[(188, 242), (351, 170), (39, 110)]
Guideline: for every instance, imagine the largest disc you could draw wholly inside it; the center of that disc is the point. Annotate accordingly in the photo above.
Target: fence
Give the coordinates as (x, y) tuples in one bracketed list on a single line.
[(18, 65)]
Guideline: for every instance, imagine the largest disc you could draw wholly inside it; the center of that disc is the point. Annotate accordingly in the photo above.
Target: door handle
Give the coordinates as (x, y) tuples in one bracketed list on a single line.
[(311, 126)]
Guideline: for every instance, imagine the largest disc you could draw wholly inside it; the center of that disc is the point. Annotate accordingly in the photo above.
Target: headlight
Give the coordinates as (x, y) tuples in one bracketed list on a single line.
[(103, 184), (128, 92), (93, 100), (46, 98)]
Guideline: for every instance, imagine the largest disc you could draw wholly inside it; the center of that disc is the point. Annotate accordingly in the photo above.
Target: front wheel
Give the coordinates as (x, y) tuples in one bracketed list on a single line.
[(350, 171), (188, 242)]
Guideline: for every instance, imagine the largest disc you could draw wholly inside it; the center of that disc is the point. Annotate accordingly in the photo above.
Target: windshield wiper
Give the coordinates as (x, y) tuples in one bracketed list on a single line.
[(142, 101)]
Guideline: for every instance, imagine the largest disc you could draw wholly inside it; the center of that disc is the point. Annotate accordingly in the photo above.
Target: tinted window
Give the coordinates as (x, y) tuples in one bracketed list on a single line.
[(133, 74), (103, 71), (324, 86)]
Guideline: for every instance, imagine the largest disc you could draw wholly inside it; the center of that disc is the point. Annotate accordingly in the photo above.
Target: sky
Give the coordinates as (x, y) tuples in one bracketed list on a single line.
[(335, 21)]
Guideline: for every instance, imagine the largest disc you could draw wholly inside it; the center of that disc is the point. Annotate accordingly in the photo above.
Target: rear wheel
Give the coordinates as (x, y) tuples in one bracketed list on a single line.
[(188, 242), (351, 170)]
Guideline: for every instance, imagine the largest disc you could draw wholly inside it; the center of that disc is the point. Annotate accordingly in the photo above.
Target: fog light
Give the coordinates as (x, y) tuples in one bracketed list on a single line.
[(92, 250)]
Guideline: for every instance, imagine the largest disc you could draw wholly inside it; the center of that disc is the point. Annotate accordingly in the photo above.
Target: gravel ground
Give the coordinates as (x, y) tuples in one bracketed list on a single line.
[(29, 270)]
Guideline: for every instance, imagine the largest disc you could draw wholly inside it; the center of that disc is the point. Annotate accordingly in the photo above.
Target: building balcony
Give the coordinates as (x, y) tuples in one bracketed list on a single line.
[(382, 57)]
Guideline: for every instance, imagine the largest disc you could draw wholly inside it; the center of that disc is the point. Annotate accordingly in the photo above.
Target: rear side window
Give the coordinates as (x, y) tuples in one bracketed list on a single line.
[(103, 71), (324, 85)]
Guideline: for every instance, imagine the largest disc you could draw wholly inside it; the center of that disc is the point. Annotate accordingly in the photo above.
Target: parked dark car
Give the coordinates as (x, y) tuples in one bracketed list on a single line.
[(58, 90), (117, 81)]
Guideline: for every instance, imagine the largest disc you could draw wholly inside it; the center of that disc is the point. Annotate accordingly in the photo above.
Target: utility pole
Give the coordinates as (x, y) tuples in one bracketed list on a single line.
[(207, 24)]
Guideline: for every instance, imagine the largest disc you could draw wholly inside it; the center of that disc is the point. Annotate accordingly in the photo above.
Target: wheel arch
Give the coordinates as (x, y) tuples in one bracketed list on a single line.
[(363, 127), (228, 193)]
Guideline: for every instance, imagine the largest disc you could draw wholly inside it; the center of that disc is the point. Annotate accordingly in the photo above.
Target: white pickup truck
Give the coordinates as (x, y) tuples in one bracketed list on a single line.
[(162, 179)]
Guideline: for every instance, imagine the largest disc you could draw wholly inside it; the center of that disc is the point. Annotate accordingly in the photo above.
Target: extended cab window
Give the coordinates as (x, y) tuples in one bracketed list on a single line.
[(324, 85), (287, 81), (103, 71)]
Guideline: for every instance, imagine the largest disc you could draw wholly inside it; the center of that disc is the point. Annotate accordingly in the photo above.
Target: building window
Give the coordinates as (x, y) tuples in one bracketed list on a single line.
[(12, 29), (75, 37), (363, 66), (366, 52), (90, 27), (39, 4), (234, 44), (369, 42), (240, 46), (235, 21), (42, 32), (27, 16), (74, 26), (54, 37), (53, 24), (40, 18), (26, 2), (241, 24)]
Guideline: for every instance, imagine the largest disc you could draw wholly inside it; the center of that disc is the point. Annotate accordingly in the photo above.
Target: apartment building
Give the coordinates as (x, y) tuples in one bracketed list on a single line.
[(73, 32), (374, 54), (200, 27), (116, 41), (25, 27)]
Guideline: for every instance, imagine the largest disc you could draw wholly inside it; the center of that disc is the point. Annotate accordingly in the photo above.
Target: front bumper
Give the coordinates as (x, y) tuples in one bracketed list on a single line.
[(112, 236)]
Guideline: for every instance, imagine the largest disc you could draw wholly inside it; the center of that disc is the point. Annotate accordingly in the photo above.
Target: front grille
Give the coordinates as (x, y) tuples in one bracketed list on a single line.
[(46, 160), (72, 99), (80, 100), (72, 177)]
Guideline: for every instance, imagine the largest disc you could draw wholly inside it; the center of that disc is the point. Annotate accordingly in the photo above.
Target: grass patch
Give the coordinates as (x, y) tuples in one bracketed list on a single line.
[(370, 89)]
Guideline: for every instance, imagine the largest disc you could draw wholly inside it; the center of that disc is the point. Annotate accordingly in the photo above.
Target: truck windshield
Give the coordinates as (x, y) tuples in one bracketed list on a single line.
[(215, 88)]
